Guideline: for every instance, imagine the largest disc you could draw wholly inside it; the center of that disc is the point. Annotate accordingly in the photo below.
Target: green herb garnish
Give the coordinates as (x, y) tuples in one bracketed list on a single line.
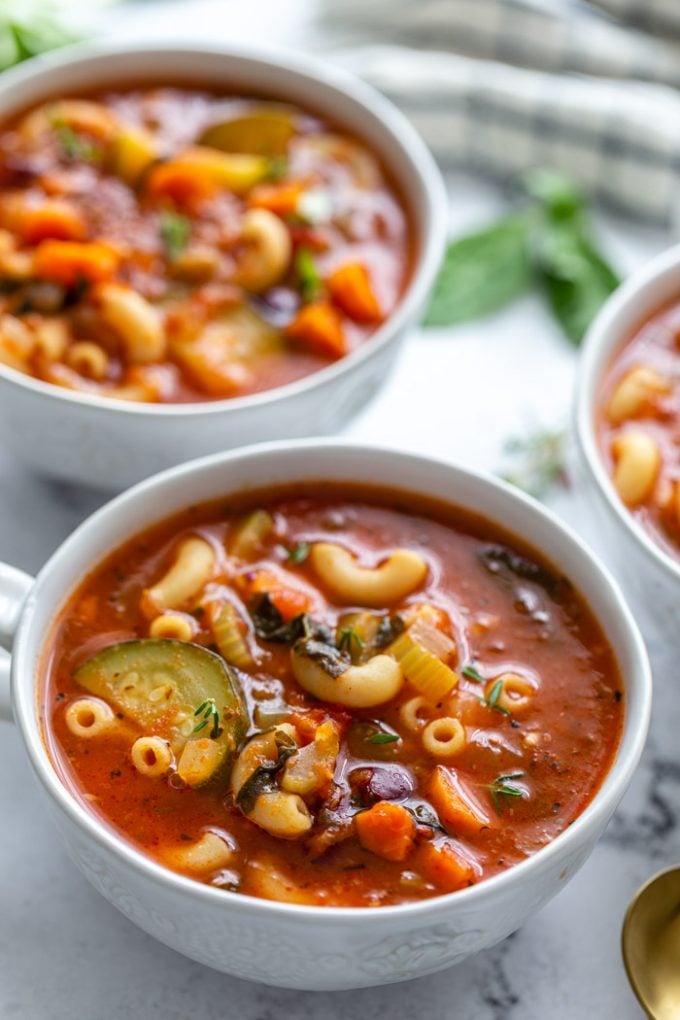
[(383, 738), (74, 145), (208, 710), (504, 786), (537, 462), (473, 674), (548, 243), (348, 637), (311, 284), (299, 552), (174, 230), (277, 168), (492, 697)]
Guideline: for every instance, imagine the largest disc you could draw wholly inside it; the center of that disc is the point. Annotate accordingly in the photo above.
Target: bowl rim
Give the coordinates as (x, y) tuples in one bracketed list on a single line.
[(431, 227), (608, 333), (25, 695)]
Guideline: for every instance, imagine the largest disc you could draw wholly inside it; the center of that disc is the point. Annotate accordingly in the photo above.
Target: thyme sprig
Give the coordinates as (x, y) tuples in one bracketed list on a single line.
[(348, 639), (505, 786), (208, 710)]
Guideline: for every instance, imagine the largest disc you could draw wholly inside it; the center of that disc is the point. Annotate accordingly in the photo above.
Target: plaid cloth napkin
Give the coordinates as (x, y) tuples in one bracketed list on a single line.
[(499, 86)]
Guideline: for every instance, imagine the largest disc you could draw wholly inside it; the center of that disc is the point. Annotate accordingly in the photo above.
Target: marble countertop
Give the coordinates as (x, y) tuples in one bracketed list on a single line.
[(65, 952)]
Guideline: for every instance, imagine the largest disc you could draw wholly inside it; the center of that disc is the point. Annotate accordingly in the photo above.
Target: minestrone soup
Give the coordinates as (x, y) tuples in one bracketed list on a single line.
[(354, 698), (169, 245), (639, 427)]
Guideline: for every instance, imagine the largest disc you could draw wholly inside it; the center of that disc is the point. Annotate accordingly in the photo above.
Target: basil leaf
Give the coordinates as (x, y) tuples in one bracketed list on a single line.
[(575, 277), (482, 272)]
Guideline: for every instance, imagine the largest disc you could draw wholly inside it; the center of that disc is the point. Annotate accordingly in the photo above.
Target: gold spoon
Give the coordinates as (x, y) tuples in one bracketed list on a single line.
[(651, 945)]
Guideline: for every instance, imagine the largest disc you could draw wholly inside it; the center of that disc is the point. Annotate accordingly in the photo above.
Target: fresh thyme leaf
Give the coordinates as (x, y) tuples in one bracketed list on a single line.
[(536, 462), (208, 709), (76, 146), (277, 168), (473, 674), (383, 738), (299, 553), (494, 694), (504, 786), (311, 284), (348, 637), (482, 272), (174, 231)]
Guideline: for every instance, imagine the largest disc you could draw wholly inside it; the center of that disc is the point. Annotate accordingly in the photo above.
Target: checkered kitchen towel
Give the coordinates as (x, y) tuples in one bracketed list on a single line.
[(503, 85)]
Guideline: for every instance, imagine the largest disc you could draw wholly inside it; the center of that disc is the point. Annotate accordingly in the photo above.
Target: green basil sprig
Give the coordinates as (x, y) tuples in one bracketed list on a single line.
[(547, 243)]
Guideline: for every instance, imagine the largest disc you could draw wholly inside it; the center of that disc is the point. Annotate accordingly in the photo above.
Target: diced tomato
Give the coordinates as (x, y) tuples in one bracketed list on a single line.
[(289, 601)]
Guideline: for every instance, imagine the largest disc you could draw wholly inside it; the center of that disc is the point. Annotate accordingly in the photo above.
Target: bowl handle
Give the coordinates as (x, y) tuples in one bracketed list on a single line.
[(14, 587)]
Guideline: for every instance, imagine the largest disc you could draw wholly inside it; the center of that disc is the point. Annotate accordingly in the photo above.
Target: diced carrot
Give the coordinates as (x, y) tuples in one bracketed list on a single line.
[(199, 172), (67, 262), (457, 808), (351, 289), (52, 218), (387, 830), (442, 865), (289, 601), (318, 326), (281, 199)]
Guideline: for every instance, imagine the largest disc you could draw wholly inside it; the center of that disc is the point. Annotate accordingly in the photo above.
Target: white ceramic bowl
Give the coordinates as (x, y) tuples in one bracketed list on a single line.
[(644, 567), (278, 943), (110, 443)]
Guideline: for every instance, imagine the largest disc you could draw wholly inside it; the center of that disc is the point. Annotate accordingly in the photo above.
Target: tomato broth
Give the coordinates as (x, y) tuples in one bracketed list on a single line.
[(479, 705)]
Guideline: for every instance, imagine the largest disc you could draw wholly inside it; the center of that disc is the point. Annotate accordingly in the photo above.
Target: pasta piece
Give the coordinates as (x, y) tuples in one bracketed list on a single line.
[(211, 852), (424, 670), (269, 882), (133, 319), (444, 738), (152, 756), (191, 570), (516, 692), (16, 343), (310, 770), (89, 717), (267, 250), (635, 393), (88, 359), (230, 642), (200, 760), (179, 626), (281, 814), (416, 713), (397, 576), (638, 462)]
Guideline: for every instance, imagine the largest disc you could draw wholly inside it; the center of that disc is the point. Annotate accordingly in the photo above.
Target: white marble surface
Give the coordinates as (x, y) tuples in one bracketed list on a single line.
[(65, 952)]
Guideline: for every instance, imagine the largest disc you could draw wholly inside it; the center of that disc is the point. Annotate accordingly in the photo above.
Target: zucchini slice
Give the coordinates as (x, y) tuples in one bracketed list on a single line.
[(160, 683)]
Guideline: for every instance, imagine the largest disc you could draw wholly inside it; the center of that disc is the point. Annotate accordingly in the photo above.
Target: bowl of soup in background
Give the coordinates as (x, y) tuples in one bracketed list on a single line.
[(110, 443), (310, 946), (625, 419)]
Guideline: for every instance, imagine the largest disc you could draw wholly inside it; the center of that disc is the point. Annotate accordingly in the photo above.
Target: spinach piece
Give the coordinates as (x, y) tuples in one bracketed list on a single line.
[(270, 625), (482, 272), (509, 566), (389, 630), (262, 779), (332, 661)]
